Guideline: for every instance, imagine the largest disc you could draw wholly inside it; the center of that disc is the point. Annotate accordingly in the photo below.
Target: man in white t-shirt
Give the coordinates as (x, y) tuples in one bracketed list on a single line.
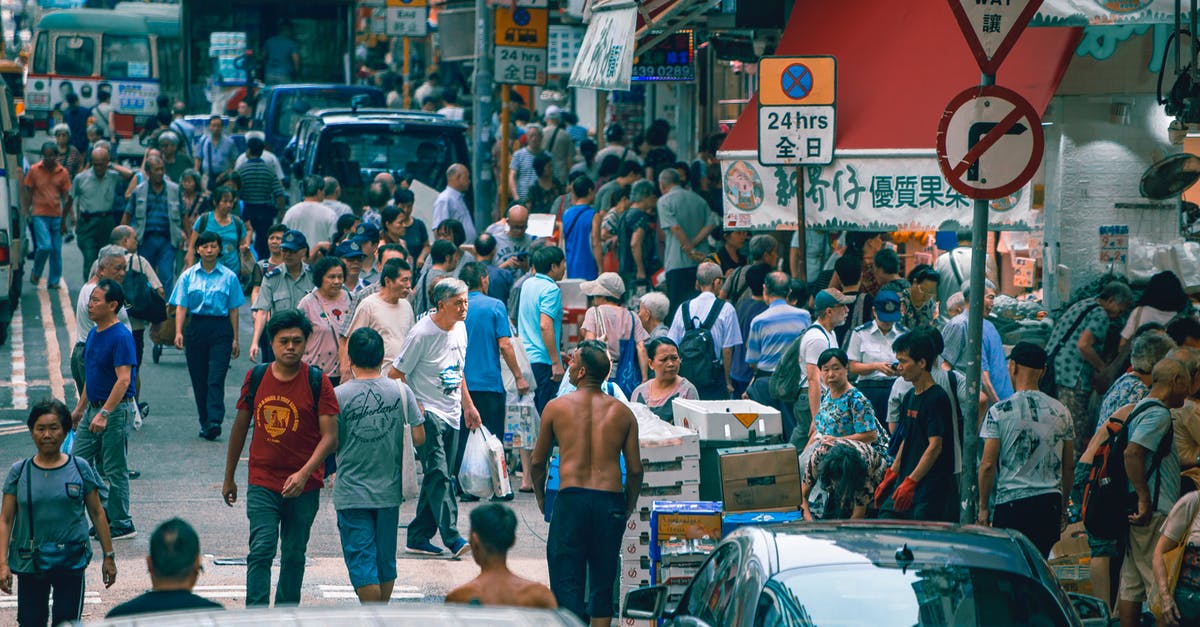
[(431, 362), (311, 216), (830, 309), (385, 311)]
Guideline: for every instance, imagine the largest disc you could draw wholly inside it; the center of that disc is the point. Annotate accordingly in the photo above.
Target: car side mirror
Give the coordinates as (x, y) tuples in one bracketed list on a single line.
[(645, 603), (1090, 609)]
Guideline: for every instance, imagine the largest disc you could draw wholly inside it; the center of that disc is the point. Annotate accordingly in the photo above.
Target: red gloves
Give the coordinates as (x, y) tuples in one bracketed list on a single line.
[(902, 500), (885, 486)]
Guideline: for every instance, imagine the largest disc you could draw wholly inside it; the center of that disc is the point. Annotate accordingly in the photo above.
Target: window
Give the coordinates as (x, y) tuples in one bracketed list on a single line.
[(422, 153), (918, 595), (74, 55), (125, 57), (41, 55), (170, 66), (715, 586)]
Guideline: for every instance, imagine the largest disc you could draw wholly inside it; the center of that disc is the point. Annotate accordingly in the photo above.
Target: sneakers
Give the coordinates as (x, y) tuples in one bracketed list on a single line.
[(423, 548), (467, 497), (134, 474), (503, 499), (124, 534), (459, 547), (211, 433)]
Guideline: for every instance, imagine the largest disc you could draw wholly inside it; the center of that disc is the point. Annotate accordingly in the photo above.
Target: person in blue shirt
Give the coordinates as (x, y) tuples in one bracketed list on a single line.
[(211, 293), (996, 383), (489, 339), (581, 232), (539, 321)]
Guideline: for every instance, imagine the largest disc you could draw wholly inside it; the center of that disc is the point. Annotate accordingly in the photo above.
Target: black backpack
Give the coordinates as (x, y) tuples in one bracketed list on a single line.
[(697, 349), (142, 301), (256, 376), (1106, 497)]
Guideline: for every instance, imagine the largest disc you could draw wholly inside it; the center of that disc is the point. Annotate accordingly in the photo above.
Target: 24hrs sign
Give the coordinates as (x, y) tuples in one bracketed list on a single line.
[(797, 115)]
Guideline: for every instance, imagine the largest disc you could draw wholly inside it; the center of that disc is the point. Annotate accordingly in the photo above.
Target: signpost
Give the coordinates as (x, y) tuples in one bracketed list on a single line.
[(797, 110), (406, 18), (991, 28), (989, 142), (521, 40)]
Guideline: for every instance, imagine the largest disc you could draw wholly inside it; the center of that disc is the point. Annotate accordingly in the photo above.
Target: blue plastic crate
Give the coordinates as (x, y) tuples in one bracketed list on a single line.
[(731, 522)]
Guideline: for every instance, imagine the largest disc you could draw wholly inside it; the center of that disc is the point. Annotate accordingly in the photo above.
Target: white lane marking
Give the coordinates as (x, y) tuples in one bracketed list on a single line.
[(16, 341), (53, 354), (221, 592), (347, 592), (68, 309), (8, 601)]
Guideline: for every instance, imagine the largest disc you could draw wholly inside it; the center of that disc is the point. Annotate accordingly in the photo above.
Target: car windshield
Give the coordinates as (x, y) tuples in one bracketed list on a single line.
[(874, 595), (423, 153), (294, 104)]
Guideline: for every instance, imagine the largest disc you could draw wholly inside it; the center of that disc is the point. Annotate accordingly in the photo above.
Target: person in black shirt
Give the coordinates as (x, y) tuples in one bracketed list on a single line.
[(924, 464), (174, 566)]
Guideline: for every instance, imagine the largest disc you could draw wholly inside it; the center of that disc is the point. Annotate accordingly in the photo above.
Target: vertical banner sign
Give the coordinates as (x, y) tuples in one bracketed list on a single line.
[(992, 27), (797, 98), (406, 18), (521, 38)]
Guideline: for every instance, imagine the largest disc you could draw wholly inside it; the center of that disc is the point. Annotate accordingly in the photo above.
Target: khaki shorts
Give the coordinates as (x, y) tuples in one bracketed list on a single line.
[(1137, 574)]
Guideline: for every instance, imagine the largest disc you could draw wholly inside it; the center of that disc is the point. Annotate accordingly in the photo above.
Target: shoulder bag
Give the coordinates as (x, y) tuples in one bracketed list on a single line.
[(53, 556), (1173, 561)]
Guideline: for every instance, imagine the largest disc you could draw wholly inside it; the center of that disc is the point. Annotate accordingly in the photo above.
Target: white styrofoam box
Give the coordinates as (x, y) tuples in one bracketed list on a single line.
[(635, 546), (636, 570), (671, 449), (572, 294), (634, 525), (727, 420), (677, 492), (633, 622), (671, 473)]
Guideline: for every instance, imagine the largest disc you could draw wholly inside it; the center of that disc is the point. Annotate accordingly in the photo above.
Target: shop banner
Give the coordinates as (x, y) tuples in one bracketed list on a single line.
[(869, 191), (605, 60), (1105, 12)]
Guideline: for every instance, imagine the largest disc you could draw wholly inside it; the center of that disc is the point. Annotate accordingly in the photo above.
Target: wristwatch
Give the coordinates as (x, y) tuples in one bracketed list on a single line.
[(105, 413), (110, 555)]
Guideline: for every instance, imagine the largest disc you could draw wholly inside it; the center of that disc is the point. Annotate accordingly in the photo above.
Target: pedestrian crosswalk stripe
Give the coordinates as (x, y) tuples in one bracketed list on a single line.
[(8, 601), (407, 593), (221, 592)]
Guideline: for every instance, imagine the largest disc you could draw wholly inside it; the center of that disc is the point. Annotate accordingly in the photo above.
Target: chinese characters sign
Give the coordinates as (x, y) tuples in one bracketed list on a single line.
[(406, 18), (1114, 243), (856, 193), (521, 37), (796, 112), (992, 27), (606, 58)]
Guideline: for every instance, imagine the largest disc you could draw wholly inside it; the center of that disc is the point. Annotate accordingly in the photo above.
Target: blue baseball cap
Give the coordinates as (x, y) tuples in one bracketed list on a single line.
[(349, 248), (294, 240), (367, 231), (887, 306)]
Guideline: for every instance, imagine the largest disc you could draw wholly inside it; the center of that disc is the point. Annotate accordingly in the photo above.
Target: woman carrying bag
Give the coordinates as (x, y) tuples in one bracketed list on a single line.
[(48, 500)]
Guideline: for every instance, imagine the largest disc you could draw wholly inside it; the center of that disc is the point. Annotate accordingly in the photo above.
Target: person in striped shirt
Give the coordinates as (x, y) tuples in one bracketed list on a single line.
[(771, 332), (263, 196)]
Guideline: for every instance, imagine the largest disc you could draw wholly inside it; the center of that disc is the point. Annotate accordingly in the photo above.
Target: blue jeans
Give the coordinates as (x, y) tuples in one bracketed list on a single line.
[(369, 544), (157, 249), (275, 520), (47, 232), (107, 451)]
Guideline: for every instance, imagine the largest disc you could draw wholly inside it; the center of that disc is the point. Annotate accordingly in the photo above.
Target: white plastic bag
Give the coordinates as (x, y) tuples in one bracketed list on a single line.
[(475, 476), (497, 466)]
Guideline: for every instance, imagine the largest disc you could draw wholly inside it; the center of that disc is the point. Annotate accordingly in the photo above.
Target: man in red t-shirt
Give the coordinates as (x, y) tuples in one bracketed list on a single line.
[(293, 434), (47, 206)]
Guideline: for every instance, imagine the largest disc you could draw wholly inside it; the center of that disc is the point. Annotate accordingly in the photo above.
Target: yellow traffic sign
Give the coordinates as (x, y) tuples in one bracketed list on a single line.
[(522, 27), (786, 81)]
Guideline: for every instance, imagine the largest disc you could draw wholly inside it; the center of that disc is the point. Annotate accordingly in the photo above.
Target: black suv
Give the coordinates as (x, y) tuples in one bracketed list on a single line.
[(354, 146)]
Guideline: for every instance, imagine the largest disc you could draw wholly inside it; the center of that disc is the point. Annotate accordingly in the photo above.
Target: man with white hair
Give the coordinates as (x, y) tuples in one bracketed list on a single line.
[(452, 204), (710, 378), (652, 310), (94, 192), (431, 362), (996, 384), (175, 162), (686, 220), (109, 265), (558, 143), (333, 194)]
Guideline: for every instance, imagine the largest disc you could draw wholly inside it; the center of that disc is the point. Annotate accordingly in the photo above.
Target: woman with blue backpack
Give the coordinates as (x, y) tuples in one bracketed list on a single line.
[(609, 321)]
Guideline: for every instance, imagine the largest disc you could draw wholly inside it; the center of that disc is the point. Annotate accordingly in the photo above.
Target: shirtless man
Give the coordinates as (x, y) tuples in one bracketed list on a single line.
[(493, 533), (592, 430)]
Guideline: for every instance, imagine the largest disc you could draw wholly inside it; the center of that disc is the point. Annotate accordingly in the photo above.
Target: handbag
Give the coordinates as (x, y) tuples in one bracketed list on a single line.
[(1173, 561), (144, 302), (53, 556)]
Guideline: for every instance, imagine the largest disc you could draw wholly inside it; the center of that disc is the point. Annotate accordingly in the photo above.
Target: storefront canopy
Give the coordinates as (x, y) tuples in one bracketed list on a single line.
[(896, 73)]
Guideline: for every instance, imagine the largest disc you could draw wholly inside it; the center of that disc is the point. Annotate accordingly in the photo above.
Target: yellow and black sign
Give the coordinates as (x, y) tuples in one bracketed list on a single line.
[(522, 27)]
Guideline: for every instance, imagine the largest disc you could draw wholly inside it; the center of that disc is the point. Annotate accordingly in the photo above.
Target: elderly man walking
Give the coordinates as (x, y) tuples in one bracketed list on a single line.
[(432, 362), (711, 377), (452, 204), (94, 193), (157, 216)]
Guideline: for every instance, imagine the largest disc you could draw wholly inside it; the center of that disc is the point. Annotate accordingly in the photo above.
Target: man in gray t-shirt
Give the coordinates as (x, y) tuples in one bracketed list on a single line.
[(367, 490)]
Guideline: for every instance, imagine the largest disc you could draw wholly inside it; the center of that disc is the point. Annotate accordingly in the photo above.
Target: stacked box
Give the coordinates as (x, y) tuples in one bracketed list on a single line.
[(671, 468), (682, 535), (734, 419)]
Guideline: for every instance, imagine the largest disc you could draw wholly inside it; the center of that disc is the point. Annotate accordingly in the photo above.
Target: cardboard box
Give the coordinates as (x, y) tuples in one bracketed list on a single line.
[(760, 477), (683, 520), (1073, 541), (635, 546), (727, 420), (678, 492), (676, 472), (1073, 573), (636, 571), (732, 521)]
